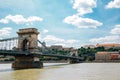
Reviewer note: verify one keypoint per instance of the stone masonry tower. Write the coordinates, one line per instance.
(27, 39)
(27, 42)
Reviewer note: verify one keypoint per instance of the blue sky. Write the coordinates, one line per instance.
(71, 23)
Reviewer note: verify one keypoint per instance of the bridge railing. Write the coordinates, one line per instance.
(9, 43)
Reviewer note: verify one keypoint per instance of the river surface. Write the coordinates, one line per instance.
(62, 71)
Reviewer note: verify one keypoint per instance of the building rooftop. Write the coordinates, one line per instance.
(104, 52)
(108, 45)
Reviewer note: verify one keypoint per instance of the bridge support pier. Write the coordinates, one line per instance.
(73, 61)
(27, 42)
(25, 62)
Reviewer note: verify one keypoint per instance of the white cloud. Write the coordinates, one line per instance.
(106, 39)
(116, 30)
(45, 31)
(5, 21)
(113, 4)
(5, 31)
(84, 6)
(109, 39)
(64, 45)
(53, 40)
(82, 22)
(19, 19)
(72, 41)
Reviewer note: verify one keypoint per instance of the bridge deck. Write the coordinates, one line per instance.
(10, 52)
(38, 54)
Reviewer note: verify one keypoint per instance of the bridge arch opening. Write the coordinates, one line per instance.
(25, 45)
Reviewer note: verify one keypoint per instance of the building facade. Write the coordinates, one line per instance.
(106, 56)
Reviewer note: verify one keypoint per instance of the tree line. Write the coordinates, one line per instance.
(88, 54)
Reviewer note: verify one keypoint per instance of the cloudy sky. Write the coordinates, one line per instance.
(70, 23)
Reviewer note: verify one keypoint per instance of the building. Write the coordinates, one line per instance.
(89, 46)
(106, 46)
(71, 50)
(58, 47)
(115, 56)
(74, 52)
(104, 56)
(66, 49)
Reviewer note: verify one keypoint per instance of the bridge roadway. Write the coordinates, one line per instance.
(37, 54)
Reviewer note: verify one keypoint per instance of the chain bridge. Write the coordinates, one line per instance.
(26, 50)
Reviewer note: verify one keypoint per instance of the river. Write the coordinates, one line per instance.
(60, 71)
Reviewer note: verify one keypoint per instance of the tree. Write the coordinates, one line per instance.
(100, 48)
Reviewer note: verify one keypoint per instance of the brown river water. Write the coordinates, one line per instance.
(63, 71)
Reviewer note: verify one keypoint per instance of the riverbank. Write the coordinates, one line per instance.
(6, 62)
(53, 61)
(101, 61)
(63, 61)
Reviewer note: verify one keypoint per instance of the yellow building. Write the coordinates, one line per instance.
(104, 56)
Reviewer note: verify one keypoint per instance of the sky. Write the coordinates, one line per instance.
(70, 23)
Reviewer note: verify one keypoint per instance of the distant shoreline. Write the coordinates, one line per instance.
(116, 61)
(109, 61)
(6, 62)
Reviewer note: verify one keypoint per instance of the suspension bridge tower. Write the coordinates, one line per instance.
(27, 42)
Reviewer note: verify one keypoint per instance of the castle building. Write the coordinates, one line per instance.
(106, 46)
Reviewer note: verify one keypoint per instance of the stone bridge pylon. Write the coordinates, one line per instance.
(27, 42)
